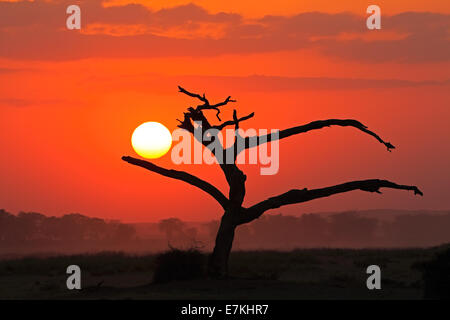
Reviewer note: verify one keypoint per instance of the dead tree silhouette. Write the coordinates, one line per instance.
(235, 213)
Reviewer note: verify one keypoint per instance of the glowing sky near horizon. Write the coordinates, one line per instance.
(70, 100)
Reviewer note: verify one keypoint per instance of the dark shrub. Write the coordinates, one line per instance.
(179, 265)
(436, 276)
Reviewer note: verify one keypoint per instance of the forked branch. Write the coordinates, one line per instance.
(194, 95)
(206, 105)
(303, 195)
(235, 122)
(183, 176)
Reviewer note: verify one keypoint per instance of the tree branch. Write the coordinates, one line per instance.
(257, 140)
(217, 105)
(298, 196)
(194, 95)
(183, 176)
(206, 105)
(234, 122)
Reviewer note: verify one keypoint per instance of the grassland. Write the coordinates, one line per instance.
(299, 274)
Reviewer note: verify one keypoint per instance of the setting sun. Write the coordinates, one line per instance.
(151, 140)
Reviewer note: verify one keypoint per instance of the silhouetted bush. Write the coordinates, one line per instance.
(436, 276)
(179, 265)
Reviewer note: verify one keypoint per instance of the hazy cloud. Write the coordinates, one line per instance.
(36, 30)
(13, 102)
(273, 83)
(10, 70)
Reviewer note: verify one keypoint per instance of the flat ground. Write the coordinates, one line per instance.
(299, 274)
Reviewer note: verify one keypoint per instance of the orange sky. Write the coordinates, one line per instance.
(288, 7)
(70, 100)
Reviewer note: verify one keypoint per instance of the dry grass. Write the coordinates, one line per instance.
(299, 274)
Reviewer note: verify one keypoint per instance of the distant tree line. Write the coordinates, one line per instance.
(347, 229)
(36, 227)
(29, 232)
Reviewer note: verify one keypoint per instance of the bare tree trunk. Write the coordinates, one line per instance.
(218, 261)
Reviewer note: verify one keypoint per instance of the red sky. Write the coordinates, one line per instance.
(70, 100)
